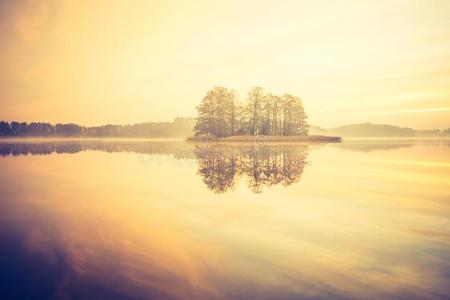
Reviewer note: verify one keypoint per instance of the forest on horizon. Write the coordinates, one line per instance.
(179, 127)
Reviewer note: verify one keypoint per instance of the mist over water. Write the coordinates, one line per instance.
(362, 219)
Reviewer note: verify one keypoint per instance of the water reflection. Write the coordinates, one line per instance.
(179, 150)
(182, 150)
(261, 167)
(375, 145)
(220, 167)
(91, 225)
(368, 146)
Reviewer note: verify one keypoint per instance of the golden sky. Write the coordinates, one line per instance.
(107, 61)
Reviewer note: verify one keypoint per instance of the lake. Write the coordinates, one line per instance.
(134, 219)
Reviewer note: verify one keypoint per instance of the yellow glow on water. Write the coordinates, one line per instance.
(357, 223)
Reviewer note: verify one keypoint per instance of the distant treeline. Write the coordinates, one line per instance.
(180, 127)
(219, 114)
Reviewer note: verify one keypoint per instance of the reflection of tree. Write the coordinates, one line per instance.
(219, 168)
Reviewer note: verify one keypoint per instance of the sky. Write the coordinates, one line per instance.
(106, 61)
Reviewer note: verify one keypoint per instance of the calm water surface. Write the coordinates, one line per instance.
(363, 219)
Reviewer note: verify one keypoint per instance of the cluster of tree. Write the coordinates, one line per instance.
(262, 113)
(179, 127)
(38, 129)
(263, 168)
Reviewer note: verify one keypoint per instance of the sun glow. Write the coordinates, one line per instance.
(96, 62)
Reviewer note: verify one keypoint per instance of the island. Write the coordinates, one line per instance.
(262, 118)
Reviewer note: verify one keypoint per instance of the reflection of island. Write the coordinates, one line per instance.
(263, 167)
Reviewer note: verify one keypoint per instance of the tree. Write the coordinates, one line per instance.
(205, 125)
(300, 126)
(252, 111)
(5, 130)
(267, 107)
(293, 116)
(216, 114)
